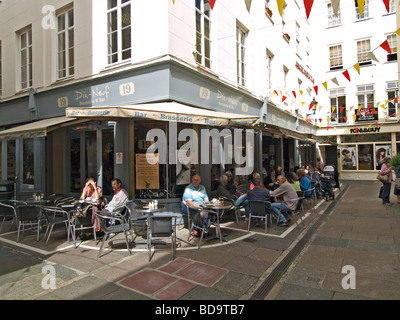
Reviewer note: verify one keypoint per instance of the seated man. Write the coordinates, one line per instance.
(288, 193)
(259, 193)
(195, 195)
(223, 190)
(119, 199)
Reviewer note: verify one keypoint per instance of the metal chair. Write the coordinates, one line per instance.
(80, 223)
(161, 228)
(56, 215)
(195, 220)
(312, 197)
(260, 209)
(115, 223)
(233, 207)
(8, 212)
(29, 215)
(297, 210)
(138, 220)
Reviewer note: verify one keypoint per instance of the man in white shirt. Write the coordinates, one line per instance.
(119, 199)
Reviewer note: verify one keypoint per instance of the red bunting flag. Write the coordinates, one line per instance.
(307, 121)
(308, 5)
(284, 98)
(212, 3)
(385, 45)
(341, 109)
(345, 119)
(396, 99)
(369, 106)
(311, 106)
(275, 92)
(376, 124)
(386, 2)
(320, 120)
(294, 93)
(346, 74)
(327, 128)
(316, 90)
(393, 115)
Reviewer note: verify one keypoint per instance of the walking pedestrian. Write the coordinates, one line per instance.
(386, 170)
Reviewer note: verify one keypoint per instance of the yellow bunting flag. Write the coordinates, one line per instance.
(398, 32)
(325, 84)
(301, 92)
(173, 1)
(360, 4)
(354, 116)
(357, 67)
(359, 108)
(333, 109)
(281, 3)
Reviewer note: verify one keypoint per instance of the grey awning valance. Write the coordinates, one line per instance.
(36, 129)
(164, 111)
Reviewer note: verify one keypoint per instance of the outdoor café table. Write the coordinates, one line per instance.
(219, 208)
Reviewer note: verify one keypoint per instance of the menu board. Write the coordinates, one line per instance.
(147, 175)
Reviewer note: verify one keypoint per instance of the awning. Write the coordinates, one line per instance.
(164, 111)
(36, 129)
(296, 135)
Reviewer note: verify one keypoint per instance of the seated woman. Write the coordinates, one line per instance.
(291, 178)
(256, 175)
(305, 183)
(92, 191)
(270, 178)
(223, 190)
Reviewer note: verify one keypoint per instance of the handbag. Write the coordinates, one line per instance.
(382, 177)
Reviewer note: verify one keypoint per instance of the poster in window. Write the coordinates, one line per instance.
(147, 175)
(380, 153)
(348, 158)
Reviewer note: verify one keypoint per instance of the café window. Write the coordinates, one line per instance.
(348, 157)
(28, 162)
(11, 156)
(75, 158)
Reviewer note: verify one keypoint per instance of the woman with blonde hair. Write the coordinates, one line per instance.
(386, 170)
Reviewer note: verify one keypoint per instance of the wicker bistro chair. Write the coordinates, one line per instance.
(56, 215)
(161, 228)
(119, 225)
(260, 209)
(30, 215)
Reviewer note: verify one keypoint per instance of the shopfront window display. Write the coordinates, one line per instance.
(348, 157)
(381, 151)
(366, 157)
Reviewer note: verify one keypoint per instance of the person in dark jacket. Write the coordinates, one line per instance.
(259, 193)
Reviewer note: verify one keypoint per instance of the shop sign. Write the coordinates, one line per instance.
(370, 114)
(365, 130)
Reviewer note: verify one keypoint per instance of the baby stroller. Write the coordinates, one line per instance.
(326, 187)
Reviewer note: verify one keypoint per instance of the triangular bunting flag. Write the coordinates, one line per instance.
(281, 4)
(396, 99)
(333, 109)
(320, 120)
(212, 3)
(308, 5)
(316, 90)
(385, 45)
(283, 98)
(386, 2)
(327, 128)
(346, 74)
(309, 90)
(334, 80)
(311, 106)
(294, 93)
(307, 121)
(398, 32)
(357, 67)
(341, 109)
(354, 116)
(345, 119)
(301, 92)
(371, 56)
(335, 7)
(173, 1)
(376, 124)
(275, 92)
(248, 4)
(361, 7)
(325, 84)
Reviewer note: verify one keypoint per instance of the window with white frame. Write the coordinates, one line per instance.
(240, 55)
(366, 96)
(392, 40)
(270, 57)
(392, 94)
(332, 19)
(363, 50)
(336, 58)
(392, 6)
(203, 33)
(338, 105)
(119, 30)
(365, 10)
(25, 54)
(65, 48)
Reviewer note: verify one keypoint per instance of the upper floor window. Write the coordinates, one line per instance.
(240, 55)
(65, 48)
(1, 84)
(365, 95)
(363, 50)
(203, 33)
(338, 106)
(392, 6)
(365, 10)
(25, 53)
(332, 19)
(335, 57)
(392, 93)
(392, 40)
(119, 30)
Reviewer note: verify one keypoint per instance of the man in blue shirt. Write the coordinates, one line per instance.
(195, 195)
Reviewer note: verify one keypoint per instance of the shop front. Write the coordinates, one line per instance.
(361, 149)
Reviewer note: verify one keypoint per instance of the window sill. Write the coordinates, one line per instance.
(117, 65)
